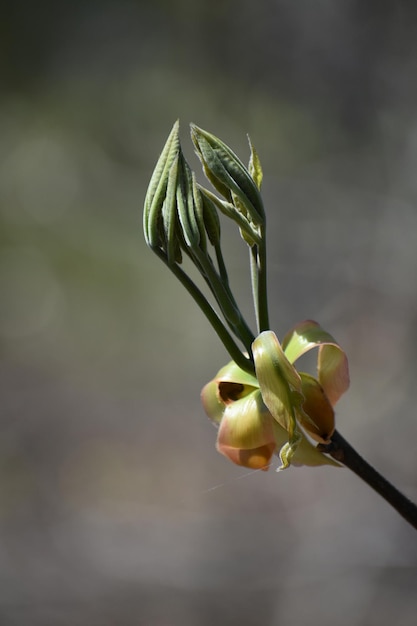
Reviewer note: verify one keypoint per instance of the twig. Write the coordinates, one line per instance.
(343, 452)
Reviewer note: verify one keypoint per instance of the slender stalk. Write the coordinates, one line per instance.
(263, 291)
(259, 285)
(227, 304)
(221, 264)
(343, 452)
(254, 274)
(231, 346)
(224, 298)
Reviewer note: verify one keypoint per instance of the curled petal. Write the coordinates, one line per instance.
(332, 366)
(229, 384)
(256, 458)
(212, 402)
(280, 384)
(317, 415)
(246, 434)
(246, 423)
(333, 371)
(232, 373)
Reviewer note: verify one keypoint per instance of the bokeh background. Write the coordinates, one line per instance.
(114, 506)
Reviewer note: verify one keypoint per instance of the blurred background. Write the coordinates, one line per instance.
(115, 507)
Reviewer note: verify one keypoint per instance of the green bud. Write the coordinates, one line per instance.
(211, 219)
(169, 215)
(248, 230)
(185, 205)
(228, 175)
(174, 210)
(157, 189)
(198, 207)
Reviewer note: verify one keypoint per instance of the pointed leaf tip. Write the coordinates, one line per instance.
(255, 167)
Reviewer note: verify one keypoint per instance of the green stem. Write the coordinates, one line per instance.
(232, 348)
(259, 285)
(254, 275)
(262, 286)
(221, 264)
(343, 452)
(247, 332)
(224, 297)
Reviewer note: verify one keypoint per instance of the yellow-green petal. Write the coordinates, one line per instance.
(232, 372)
(246, 423)
(246, 434)
(229, 384)
(333, 371)
(332, 365)
(317, 415)
(280, 385)
(279, 381)
(212, 403)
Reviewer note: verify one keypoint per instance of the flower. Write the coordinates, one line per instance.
(257, 416)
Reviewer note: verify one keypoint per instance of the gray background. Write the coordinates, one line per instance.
(114, 506)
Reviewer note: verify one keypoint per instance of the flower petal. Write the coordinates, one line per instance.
(246, 434)
(332, 367)
(246, 423)
(256, 458)
(279, 381)
(280, 385)
(333, 371)
(232, 372)
(229, 384)
(317, 415)
(213, 405)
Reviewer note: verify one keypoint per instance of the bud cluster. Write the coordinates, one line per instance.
(260, 402)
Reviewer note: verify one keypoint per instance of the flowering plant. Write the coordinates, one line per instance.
(260, 402)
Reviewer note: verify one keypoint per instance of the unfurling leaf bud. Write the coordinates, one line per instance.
(157, 189)
(228, 175)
